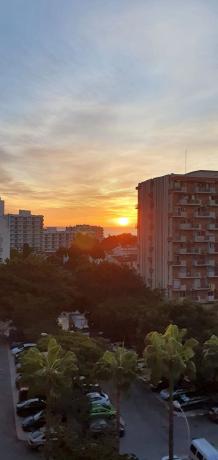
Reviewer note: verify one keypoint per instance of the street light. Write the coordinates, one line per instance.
(178, 406)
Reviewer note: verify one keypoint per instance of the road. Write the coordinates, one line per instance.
(147, 426)
(11, 448)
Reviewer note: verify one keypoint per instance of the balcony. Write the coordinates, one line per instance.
(179, 189)
(179, 214)
(181, 287)
(203, 239)
(205, 215)
(186, 202)
(181, 263)
(212, 226)
(212, 203)
(190, 275)
(204, 263)
(188, 226)
(191, 251)
(179, 239)
(212, 274)
(205, 190)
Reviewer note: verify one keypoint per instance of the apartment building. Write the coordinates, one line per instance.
(26, 228)
(178, 234)
(4, 234)
(55, 238)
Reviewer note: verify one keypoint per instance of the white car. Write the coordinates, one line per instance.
(37, 439)
(98, 397)
(20, 348)
(175, 457)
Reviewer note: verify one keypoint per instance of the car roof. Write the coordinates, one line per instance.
(204, 446)
(94, 394)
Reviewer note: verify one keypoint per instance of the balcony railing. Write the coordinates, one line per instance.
(204, 263)
(212, 203)
(188, 226)
(207, 214)
(212, 226)
(205, 190)
(189, 202)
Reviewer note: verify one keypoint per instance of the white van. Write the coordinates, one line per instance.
(201, 449)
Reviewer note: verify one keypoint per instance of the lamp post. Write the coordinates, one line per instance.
(178, 405)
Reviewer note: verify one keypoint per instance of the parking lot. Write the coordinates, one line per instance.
(144, 412)
(146, 420)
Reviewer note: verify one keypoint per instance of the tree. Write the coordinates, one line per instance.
(51, 369)
(169, 357)
(52, 372)
(210, 359)
(119, 366)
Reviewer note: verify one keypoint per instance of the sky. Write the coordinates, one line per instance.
(98, 95)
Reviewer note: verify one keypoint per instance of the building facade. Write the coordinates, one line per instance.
(178, 235)
(4, 235)
(54, 238)
(26, 228)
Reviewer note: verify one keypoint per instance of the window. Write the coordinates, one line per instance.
(200, 456)
(193, 449)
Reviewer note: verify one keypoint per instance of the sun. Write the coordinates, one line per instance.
(123, 221)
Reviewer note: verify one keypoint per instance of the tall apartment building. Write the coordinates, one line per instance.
(26, 228)
(54, 238)
(4, 235)
(178, 234)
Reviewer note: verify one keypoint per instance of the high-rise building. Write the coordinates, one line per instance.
(4, 235)
(26, 228)
(178, 234)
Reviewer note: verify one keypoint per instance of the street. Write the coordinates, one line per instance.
(11, 448)
(147, 426)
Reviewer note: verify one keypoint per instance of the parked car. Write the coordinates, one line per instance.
(22, 347)
(37, 439)
(186, 403)
(103, 425)
(30, 407)
(213, 414)
(180, 391)
(98, 397)
(102, 409)
(33, 422)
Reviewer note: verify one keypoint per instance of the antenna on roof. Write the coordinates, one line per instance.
(186, 153)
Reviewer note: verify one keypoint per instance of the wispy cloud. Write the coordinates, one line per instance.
(95, 100)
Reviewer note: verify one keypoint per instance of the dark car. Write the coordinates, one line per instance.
(30, 407)
(33, 422)
(187, 403)
(213, 414)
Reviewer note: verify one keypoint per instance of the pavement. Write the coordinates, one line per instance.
(11, 447)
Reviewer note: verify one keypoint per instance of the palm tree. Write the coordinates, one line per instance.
(51, 372)
(210, 359)
(119, 367)
(169, 356)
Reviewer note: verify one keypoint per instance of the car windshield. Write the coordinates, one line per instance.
(36, 434)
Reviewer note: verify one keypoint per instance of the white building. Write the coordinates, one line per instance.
(26, 228)
(55, 238)
(4, 235)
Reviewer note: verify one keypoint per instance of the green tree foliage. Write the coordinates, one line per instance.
(210, 359)
(125, 239)
(51, 370)
(169, 356)
(120, 367)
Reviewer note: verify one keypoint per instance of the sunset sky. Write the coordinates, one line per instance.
(98, 95)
